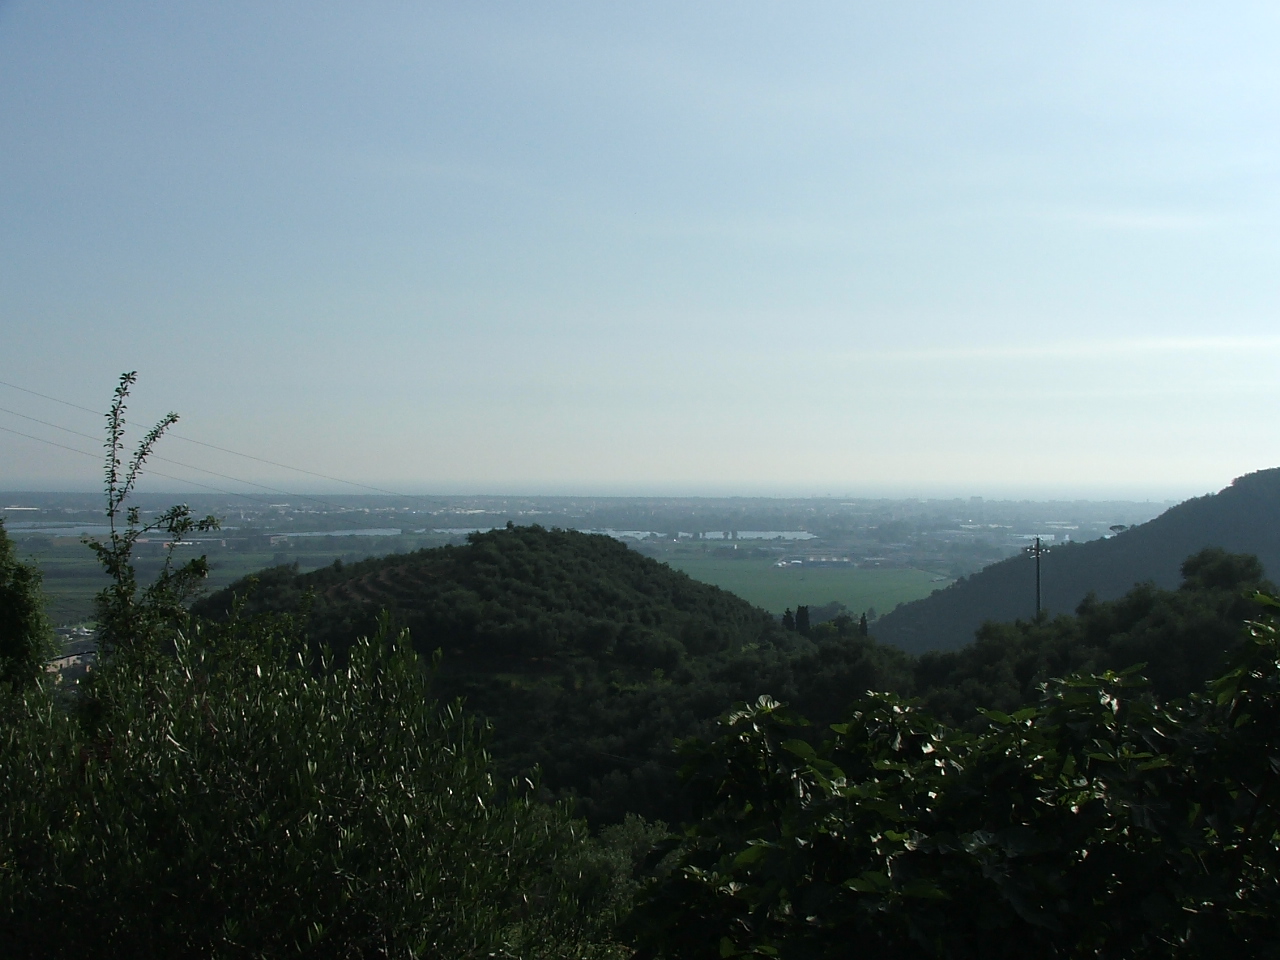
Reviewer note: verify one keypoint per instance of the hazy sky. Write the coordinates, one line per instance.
(812, 248)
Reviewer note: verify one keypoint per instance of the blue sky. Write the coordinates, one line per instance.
(917, 249)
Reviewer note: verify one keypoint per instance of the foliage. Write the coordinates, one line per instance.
(25, 637)
(802, 620)
(127, 615)
(234, 788)
(1099, 823)
(234, 801)
(589, 658)
(1182, 637)
(1244, 518)
(524, 597)
(219, 789)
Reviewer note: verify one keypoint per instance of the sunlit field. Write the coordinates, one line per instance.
(777, 588)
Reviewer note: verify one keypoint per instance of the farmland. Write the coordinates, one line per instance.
(72, 574)
(777, 588)
(876, 553)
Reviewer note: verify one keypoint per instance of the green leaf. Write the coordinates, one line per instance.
(800, 748)
(749, 856)
(923, 890)
(869, 882)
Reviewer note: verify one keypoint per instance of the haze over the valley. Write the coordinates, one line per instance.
(816, 249)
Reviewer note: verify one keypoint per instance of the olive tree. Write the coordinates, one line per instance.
(225, 790)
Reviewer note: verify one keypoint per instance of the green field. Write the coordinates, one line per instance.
(776, 589)
(72, 575)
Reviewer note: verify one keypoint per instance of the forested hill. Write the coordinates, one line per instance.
(592, 659)
(589, 657)
(1243, 518)
(525, 598)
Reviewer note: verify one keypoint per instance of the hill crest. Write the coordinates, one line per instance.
(1244, 517)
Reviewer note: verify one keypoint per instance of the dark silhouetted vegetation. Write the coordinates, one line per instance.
(1100, 822)
(1181, 637)
(218, 790)
(591, 660)
(24, 631)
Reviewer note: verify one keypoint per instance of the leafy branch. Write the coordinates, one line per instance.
(130, 617)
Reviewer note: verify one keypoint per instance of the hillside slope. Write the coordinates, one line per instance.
(524, 598)
(589, 657)
(1243, 518)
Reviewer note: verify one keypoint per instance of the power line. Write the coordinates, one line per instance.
(96, 456)
(76, 406)
(177, 463)
(66, 403)
(310, 473)
(51, 443)
(213, 446)
(197, 483)
(351, 522)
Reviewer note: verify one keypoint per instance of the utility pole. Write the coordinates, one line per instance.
(1037, 578)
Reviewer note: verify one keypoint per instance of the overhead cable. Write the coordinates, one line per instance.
(227, 493)
(213, 446)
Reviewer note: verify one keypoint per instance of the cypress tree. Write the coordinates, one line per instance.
(25, 637)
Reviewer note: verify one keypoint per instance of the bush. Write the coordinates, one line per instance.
(1099, 823)
(230, 800)
(213, 791)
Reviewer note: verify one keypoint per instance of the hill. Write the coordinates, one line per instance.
(589, 658)
(1243, 518)
(1179, 638)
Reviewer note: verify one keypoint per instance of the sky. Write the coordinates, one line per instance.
(849, 249)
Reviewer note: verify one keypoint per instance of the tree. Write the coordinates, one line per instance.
(129, 617)
(238, 799)
(231, 793)
(1099, 823)
(25, 637)
(802, 620)
(788, 619)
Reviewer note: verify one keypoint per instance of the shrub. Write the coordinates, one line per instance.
(231, 800)
(214, 791)
(1099, 823)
